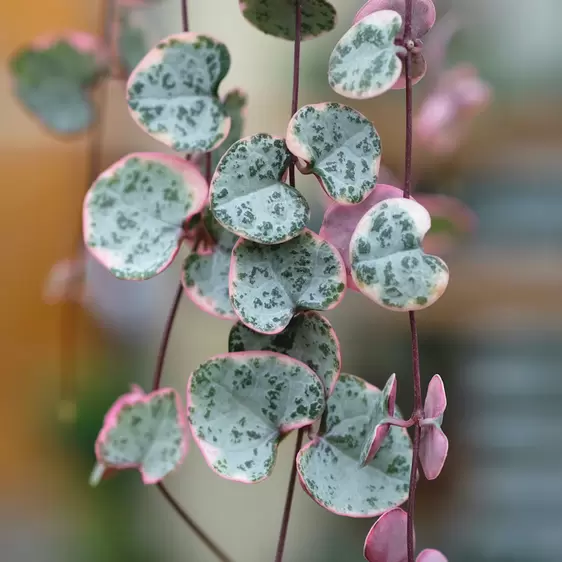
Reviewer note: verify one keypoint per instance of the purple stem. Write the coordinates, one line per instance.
(300, 435)
(184, 16)
(418, 405)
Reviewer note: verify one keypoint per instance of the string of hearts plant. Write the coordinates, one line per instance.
(253, 261)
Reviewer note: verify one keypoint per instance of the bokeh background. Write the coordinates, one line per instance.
(495, 336)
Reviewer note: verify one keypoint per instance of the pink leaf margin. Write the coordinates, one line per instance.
(319, 240)
(137, 396)
(193, 180)
(155, 56)
(375, 513)
(208, 451)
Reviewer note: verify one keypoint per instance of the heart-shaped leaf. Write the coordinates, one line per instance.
(277, 17)
(309, 338)
(340, 146)
(144, 431)
(270, 284)
(134, 212)
(365, 62)
(329, 466)
(434, 444)
(248, 196)
(61, 106)
(205, 275)
(131, 42)
(430, 555)
(387, 261)
(173, 92)
(423, 19)
(378, 429)
(241, 404)
(340, 222)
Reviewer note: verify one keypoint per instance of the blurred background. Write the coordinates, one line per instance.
(495, 336)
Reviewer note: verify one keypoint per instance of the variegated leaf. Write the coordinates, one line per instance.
(378, 427)
(309, 338)
(340, 146)
(340, 222)
(248, 195)
(241, 404)
(270, 284)
(173, 92)
(329, 466)
(365, 62)
(277, 17)
(143, 431)
(131, 42)
(135, 210)
(387, 261)
(205, 275)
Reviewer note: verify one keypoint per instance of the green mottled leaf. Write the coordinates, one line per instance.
(269, 284)
(144, 431)
(329, 466)
(388, 264)
(248, 196)
(365, 62)
(241, 404)
(131, 41)
(277, 17)
(62, 106)
(340, 146)
(135, 210)
(205, 276)
(309, 338)
(173, 92)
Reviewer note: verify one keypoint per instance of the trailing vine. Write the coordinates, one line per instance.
(253, 261)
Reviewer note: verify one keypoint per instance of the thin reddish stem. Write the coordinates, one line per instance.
(418, 405)
(70, 313)
(192, 524)
(300, 435)
(184, 16)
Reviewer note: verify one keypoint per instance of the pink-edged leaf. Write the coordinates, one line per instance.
(184, 113)
(206, 272)
(340, 221)
(446, 115)
(277, 17)
(378, 429)
(423, 18)
(388, 263)
(249, 196)
(134, 212)
(309, 338)
(451, 220)
(241, 404)
(329, 466)
(361, 67)
(340, 146)
(431, 555)
(65, 281)
(270, 284)
(434, 444)
(386, 541)
(143, 431)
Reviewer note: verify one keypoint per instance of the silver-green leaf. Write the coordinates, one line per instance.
(309, 338)
(173, 92)
(340, 146)
(388, 263)
(277, 17)
(365, 62)
(248, 195)
(329, 466)
(241, 404)
(270, 284)
(135, 210)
